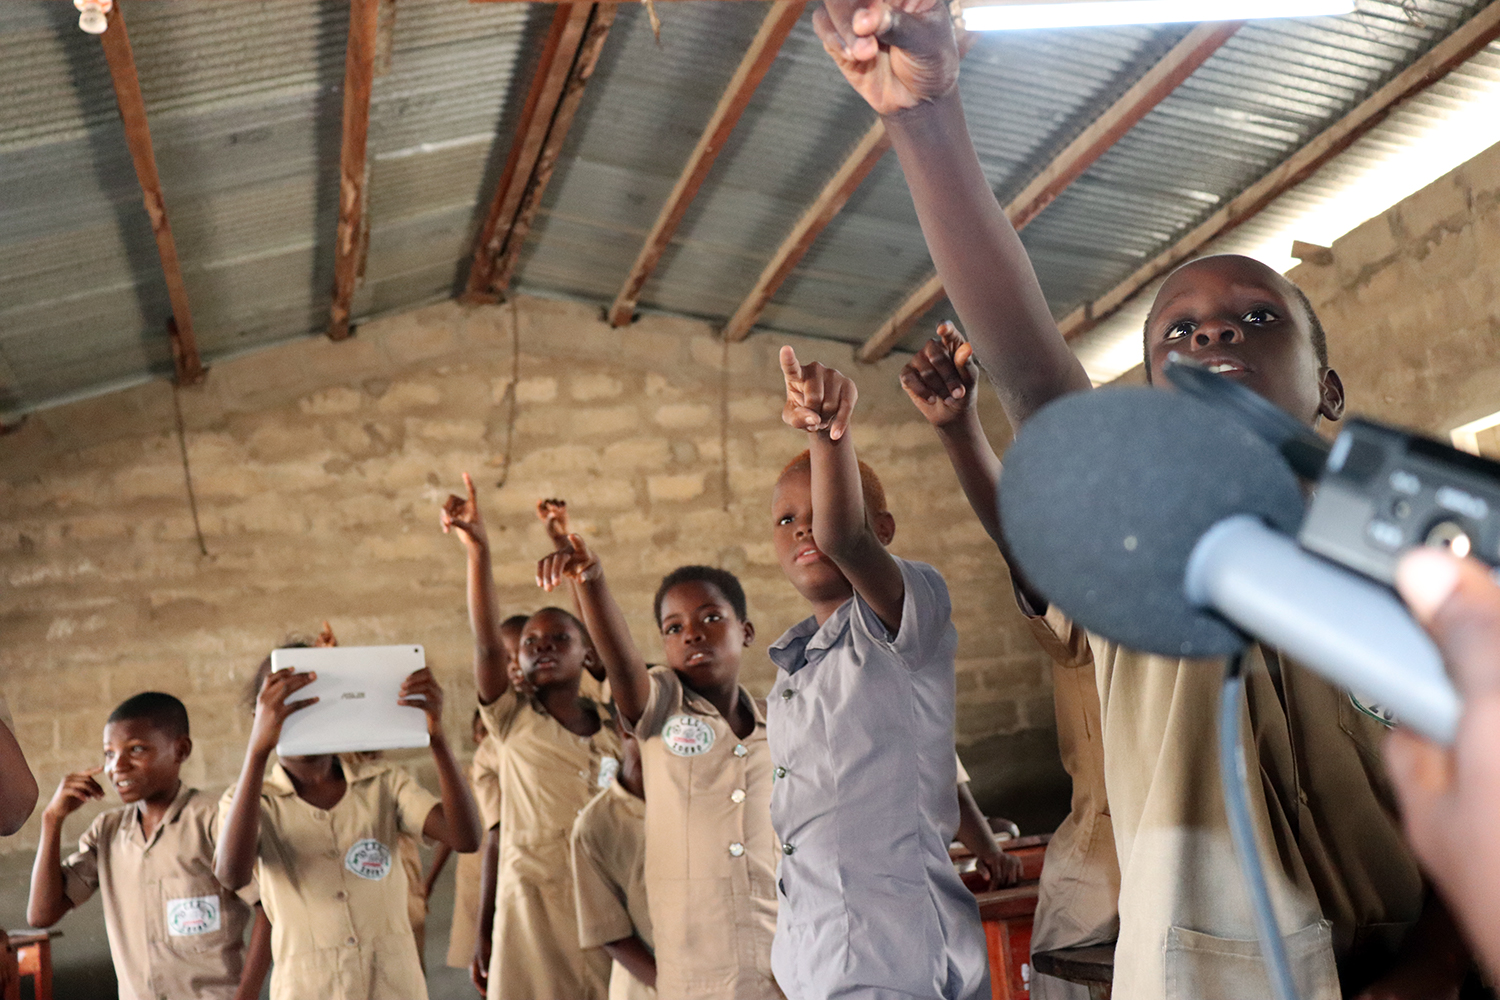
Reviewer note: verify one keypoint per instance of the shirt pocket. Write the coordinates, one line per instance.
(196, 916)
(1201, 965)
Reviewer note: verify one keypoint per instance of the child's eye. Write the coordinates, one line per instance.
(1260, 317)
(672, 629)
(711, 618)
(1179, 330)
(784, 519)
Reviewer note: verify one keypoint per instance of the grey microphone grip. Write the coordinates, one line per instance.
(1351, 630)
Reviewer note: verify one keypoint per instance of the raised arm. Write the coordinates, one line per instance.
(581, 569)
(462, 515)
(18, 789)
(554, 515)
(821, 402)
(48, 900)
(902, 58)
(455, 820)
(239, 833)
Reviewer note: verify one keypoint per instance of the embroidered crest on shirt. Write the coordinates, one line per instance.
(687, 735)
(608, 768)
(192, 916)
(369, 859)
(1379, 713)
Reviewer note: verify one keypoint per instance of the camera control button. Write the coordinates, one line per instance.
(1385, 534)
(1405, 482)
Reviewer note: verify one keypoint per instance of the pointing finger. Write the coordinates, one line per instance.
(469, 486)
(840, 422)
(790, 369)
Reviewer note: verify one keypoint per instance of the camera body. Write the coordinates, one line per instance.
(1384, 491)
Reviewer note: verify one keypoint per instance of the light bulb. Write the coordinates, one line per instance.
(91, 15)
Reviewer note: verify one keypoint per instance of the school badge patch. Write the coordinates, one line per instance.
(192, 916)
(369, 859)
(687, 735)
(1379, 713)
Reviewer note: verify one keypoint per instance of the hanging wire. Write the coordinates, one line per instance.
(511, 390)
(724, 420)
(187, 471)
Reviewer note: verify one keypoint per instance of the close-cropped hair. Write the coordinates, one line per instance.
(1315, 330)
(251, 694)
(164, 713)
(515, 621)
(570, 616)
(869, 482)
(726, 582)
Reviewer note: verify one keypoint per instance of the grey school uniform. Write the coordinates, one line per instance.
(860, 725)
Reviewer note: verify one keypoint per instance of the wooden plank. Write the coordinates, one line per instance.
(586, 59)
(829, 202)
(756, 62)
(1083, 152)
(354, 175)
(548, 82)
(117, 53)
(1447, 55)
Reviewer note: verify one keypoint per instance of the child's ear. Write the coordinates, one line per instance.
(885, 527)
(749, 628)
(184, 748)
(1331, 394)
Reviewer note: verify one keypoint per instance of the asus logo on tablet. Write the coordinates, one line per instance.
(352, 694)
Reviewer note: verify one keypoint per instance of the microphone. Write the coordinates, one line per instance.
(1154, 519)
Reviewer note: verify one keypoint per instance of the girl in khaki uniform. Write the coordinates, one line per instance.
(710, 850)
(553, 749)
(321, 832)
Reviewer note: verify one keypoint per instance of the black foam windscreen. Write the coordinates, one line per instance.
(1105, 493)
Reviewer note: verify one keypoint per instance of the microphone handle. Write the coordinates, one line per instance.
(1351, 630)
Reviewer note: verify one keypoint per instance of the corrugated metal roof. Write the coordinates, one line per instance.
(245, 107)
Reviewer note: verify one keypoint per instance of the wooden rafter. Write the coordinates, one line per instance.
(569, 54)
(117, 53)
(1440, 60)
(756, 62)
(354, 173)
(1158, 82)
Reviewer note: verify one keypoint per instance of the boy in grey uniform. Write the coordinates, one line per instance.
(860, 723)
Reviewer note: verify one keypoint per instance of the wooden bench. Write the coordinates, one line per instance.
(1093, 966)
(34, 956)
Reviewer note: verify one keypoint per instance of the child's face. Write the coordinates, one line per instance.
(1237, 313)
(553, 651)
(810, 571)
(702, 635)
(141, 761)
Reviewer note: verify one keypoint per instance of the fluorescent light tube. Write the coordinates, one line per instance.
(1083, 13)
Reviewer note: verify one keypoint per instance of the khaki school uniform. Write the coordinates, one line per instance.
(547, 774)
(173, 930)
(711, 852)
(609, 880)
(1078, 898)
(484, 780)
(1344, 885)
(334, 888)
(5, 718)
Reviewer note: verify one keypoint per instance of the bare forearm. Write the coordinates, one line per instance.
(973, 829)
(490, 657)
(628, 680)
(980, 259)
(489, 872)
(257, 958)
(637, 959)
(439, 862)
(841, 523)
(18, 789)
(47, 902)
(460, 814)
(977, 467)
(234, 858)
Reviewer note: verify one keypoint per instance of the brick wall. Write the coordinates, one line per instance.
(319, 468)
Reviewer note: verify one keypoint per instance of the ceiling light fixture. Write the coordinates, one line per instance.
(93, 15)
(1086, 13)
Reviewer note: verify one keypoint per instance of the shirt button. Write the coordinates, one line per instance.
(341, 895)
(738, 795)
(786, 694)
(736, 849)
(583, 774)
(780, 772)
(351, 942)
(788, 849)
(739, 750)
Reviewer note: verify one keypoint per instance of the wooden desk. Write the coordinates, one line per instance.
(1093, 966)
(34, 955)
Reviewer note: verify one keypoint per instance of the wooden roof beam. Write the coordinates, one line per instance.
(774, 30)
(1137, 102)
(569, 54)
(354, 170)
(1441, 59)
(117, 53)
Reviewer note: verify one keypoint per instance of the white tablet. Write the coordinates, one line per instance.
(357, 688)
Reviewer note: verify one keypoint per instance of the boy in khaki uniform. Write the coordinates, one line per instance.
(1346, 888)
(609, 877)
(322, 834)
(174, 931)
